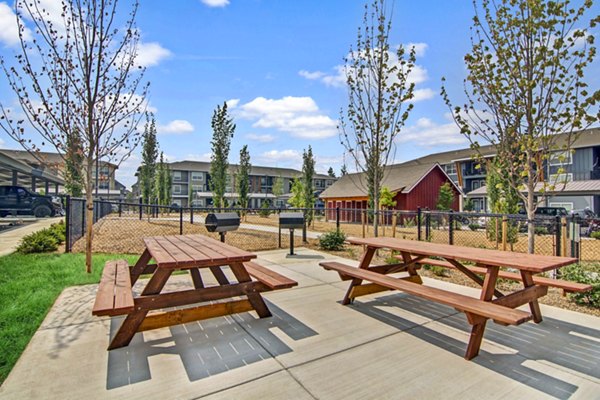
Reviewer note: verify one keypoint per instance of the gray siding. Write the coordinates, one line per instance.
(579, 202)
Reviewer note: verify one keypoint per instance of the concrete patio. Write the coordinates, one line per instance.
(384, 346)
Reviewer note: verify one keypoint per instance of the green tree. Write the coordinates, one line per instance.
(525, 84)
(331, 172)
(297, 191)
(308, 173)
(163, 182)
(445, 197)
(343, 170)
(223, 129)
(278, 186)
(74, 165)
(243, 177)
(148, 167)
(379, 94)
(503, 199)
(386, 198)
(77, 75)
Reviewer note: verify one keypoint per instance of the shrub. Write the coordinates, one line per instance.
(265, 209)
(333, 240)
(474, 227)
(595, 235)
(541, 230)
(576, 273)
(42, 241)
(58, 231)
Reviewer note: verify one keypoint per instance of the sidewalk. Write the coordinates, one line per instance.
(10, 240)
(384, 346)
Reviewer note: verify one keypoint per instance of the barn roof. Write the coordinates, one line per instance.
(398, 178)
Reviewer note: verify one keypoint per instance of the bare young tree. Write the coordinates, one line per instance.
(525, 89)
(75, 74)
(379, 91)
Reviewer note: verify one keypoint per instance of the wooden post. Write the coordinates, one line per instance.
(504, 231)
(394, 223)
(363, 216)
(563, 236)
(497, 232)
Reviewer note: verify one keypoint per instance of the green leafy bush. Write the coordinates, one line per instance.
(42, 241)
(59, 231)
(265, 209)
(541, 230)
(576, 273)
(333, 240)
(595, 235)
(474, 227)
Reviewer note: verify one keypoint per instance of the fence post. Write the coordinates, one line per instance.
(394, 223)
(363, 217)
(68, 225)
(427, 224)
(192, 215)
(140, 208)
(419, 223)
(337, 218)
(497, 232)
(558, 229)
(120, 207)
(504, 231)
(451, 227)
(564, 235)
(304, 227)
(83, 208)
(181, 220)
(279, 226)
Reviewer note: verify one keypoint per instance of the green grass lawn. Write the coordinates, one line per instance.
(29, 285)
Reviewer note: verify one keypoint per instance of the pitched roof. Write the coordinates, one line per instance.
(570, 188)
(398, 178)
(204, 166)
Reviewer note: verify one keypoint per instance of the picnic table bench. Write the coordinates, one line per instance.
(502, 309)
(187, 252)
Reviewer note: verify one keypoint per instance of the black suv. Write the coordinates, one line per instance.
(18, 200)
(547, 218)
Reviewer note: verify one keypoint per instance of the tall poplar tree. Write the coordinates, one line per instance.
(148, 167)
(308, 173)
(379, 94)
(74, 165)
(223, 129)
(243, 178)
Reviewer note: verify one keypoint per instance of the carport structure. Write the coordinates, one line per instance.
(18, 172)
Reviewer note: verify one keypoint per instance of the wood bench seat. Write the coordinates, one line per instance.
(566, 286)
(461, 302)
(114, 296)
(270, 278)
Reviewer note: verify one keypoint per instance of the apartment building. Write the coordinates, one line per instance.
(191, 184)
(581, 176)
(47, 174)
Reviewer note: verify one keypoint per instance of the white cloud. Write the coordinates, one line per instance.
(281, 158)
(420, 48)
(149, 54)
(177, 126)
(297, 116)
(426, 133)
(9, 29)
(232, 103)
(422, 94)
(215, 3)
(311, 75)
(260, 138)
(198, 157)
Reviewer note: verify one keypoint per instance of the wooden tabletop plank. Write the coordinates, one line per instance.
(162, 257)
(178, 254)
(527, 262)
(209, 253)
(194, 253)
(230, 252)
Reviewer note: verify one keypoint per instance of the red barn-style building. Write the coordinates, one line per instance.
(413, 186)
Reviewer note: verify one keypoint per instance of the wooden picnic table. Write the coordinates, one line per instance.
(194, 253)
(492, 303)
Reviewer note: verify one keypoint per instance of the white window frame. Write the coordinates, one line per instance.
(177, 176)
(565, 204)
(555, 178)
(450, 169)
(198, 203)
(473, 183)
(554, 160)
(177, 189)
(197, 176)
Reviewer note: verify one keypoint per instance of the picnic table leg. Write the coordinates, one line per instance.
(364, 264)
(139, 266)
(412, 271)
(133, 321)
(254, 297)
(219, 275)
(196, 278)
(487, 293)
(533, 305)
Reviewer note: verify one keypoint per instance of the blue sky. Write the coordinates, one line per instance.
(274, 62)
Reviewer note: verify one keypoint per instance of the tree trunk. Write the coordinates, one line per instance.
(530, 219)
(89, 215)
(375, 214)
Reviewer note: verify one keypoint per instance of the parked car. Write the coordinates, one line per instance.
(585, 216)
(544, 218)
(18, 200)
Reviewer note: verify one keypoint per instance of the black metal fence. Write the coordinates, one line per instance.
(120, 226)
